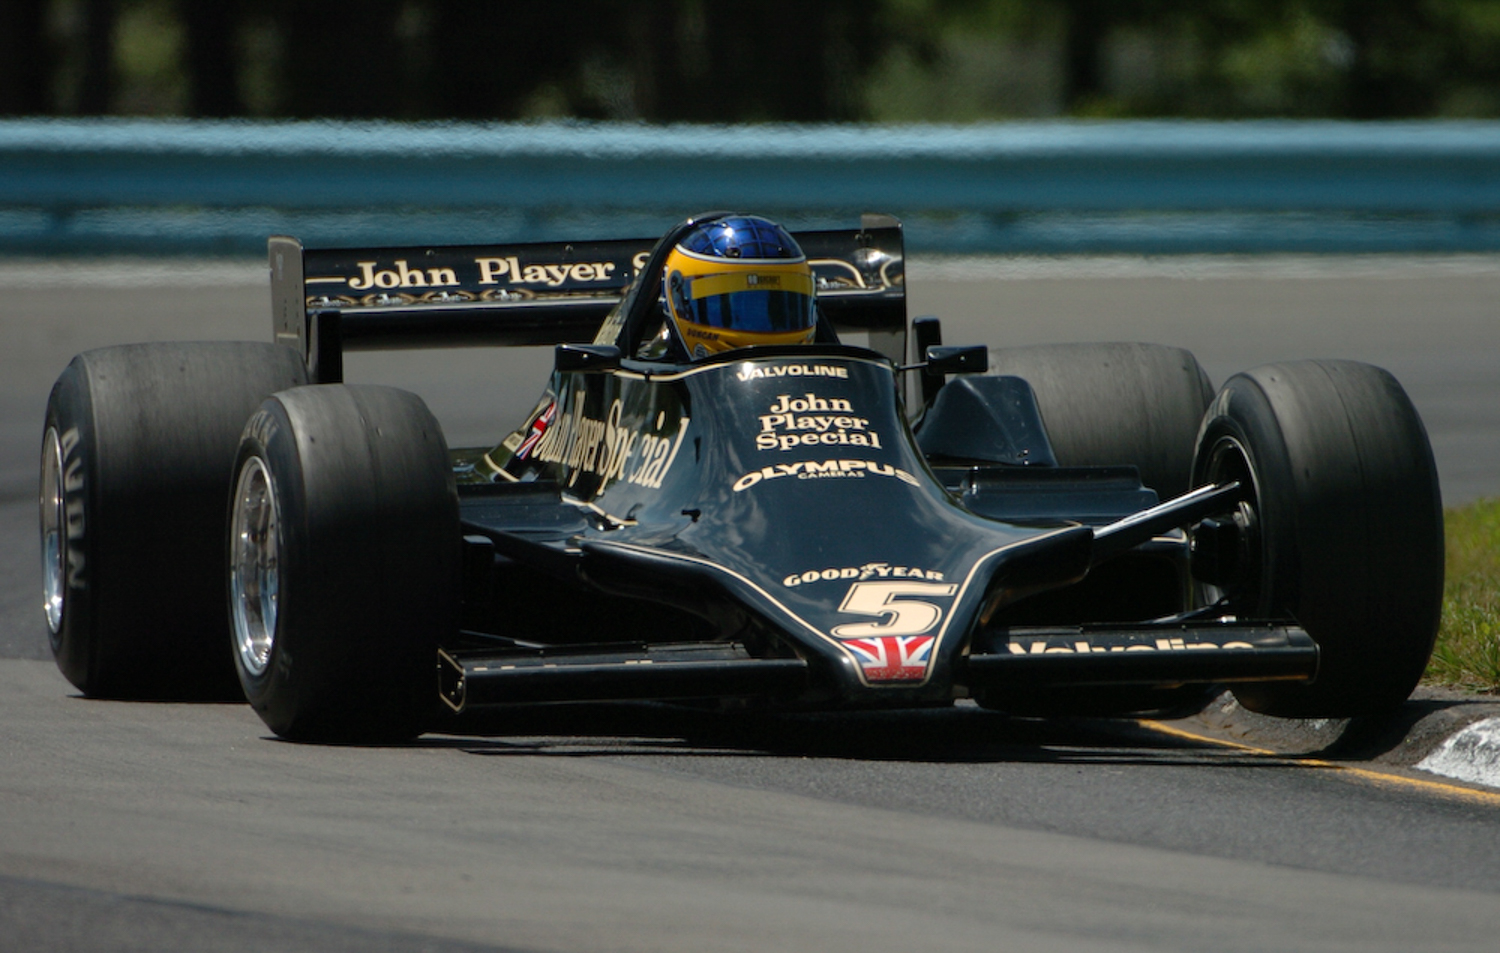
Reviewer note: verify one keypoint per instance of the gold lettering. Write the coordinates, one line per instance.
(490, 269)
(551, 275)
(410, 278)
(368, 280)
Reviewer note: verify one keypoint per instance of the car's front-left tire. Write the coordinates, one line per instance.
(344, 563)
(137, 453)
(1339, 527)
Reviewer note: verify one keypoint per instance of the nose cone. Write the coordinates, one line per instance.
(812, 505)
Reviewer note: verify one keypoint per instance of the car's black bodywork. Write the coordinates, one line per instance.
(1087, 528)
(768, 523)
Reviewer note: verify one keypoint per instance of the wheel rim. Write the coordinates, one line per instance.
(1229, 461)
(54, 524)
(254, 576)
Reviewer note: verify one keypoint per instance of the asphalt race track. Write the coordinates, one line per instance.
(171, 827)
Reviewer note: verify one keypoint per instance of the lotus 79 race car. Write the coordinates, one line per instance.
(1062, 529)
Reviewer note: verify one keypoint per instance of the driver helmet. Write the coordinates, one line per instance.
(735, 281)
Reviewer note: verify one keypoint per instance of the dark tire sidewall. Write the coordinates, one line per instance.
(157, 426)
(75, 644)
(1350, 527)
(368, 563)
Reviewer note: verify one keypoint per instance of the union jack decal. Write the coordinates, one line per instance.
(893, 658)
(538, 427)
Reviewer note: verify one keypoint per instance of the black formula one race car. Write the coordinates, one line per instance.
(717, 501)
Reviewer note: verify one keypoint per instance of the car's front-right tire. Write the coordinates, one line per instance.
(343, 553)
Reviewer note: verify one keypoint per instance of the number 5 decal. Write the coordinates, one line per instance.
(905, 616)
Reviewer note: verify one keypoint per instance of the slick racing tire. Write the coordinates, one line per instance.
(1342, 524)
(344, 563)
(1113, 404)
(137, 454)
(1116, 404)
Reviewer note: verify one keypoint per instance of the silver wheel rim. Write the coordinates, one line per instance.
(254, 579)
(1229, 460)
(54, 526)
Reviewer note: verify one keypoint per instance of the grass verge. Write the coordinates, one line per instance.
(1468, 644)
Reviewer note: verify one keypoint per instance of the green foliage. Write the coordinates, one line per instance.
(1468, 646)
(1211, 58)
(149, 44)
(768, 60)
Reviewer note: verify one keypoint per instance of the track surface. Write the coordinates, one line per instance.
(184, 827)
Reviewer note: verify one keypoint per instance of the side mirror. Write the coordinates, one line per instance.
(970, 359)
(586, 358)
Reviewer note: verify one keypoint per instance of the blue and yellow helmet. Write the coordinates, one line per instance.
(735, 281)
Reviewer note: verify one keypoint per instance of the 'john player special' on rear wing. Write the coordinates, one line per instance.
(326, 301)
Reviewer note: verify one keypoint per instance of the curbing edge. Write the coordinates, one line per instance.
(1439, 730)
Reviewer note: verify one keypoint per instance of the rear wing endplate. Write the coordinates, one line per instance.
(328, 300)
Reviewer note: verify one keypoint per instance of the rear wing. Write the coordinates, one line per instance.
(328, 300)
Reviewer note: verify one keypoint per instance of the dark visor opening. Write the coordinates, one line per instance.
(763, 311)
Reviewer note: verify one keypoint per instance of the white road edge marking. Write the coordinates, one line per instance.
(1472, 755)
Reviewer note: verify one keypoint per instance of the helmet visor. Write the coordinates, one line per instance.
(763, 303)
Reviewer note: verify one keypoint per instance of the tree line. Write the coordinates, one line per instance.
(751, 60)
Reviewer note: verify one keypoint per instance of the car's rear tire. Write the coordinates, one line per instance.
(1113, 404)
(137, 455)
(1116, 404)
(344, 563)
(1344, 523)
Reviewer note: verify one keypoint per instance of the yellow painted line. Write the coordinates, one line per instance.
(1444, 789)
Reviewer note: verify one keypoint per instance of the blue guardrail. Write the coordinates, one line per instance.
(173, 187)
